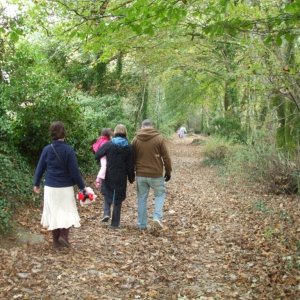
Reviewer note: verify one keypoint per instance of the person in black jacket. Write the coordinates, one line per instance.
(120, 167)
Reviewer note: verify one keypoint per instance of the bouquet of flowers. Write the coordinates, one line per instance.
(86, 197)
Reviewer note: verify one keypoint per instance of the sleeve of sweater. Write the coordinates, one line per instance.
(102, 151)
(74, 170)
(40, 169)
(166, 158)
(130, 166)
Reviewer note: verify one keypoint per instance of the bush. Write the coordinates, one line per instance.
(35, 97)
(16, 175)
(104, 112)
(263, 163)
(5, 216)
(217, 149)
(16, 184)
(230, 128)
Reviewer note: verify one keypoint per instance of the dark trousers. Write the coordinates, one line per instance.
(116, 213)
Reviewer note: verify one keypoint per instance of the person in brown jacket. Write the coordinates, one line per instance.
(151, 158)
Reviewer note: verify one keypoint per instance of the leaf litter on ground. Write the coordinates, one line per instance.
(220, 241)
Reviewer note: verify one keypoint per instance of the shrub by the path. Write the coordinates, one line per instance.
(217, 149)
(260, 162)
(263, 163)
(16, 184)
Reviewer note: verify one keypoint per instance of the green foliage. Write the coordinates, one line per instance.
(180, 93)
(16, 175)
(143, 20)
(5, 216)
(103, 112)
(35, 97)
(16, 184)
(212, 70)
(5, 129)
(262, 162)
(288, 131)
(240, 16)
(206, 59)
(217, 149)
(230, 128)
(38, 117)
(11, 28)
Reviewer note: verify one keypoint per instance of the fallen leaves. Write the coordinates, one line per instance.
(220, 241)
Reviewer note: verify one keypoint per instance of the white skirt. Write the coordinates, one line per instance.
(60, 210)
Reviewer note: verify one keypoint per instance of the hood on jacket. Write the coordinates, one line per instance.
(146, 134)
(120, 141)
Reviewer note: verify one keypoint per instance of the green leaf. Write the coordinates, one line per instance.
(278, 40)
(268, 39)
(293, 7)
(136, 28)
(14, 36)
(290, 37)
(224, 4)
(149, 30)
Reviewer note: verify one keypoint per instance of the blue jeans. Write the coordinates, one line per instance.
(143, 185)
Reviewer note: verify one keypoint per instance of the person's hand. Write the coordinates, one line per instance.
(36, 189)
(167, 177)
(98, 183)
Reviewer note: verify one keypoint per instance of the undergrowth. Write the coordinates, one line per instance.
(16, 184)
(260, 162)
(216, 150)
(277, 171)
(5, 215)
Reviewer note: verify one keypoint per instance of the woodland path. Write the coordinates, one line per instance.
(219, 242)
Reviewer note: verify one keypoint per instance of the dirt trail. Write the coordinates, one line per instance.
(219, 242)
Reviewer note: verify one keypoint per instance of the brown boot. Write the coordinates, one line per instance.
(55, 236)
(64, 237)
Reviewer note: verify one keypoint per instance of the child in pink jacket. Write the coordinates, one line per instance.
(105, 137)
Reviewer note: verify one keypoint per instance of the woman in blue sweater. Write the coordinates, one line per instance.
(59, 161)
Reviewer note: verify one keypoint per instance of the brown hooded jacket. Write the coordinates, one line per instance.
(151, 155)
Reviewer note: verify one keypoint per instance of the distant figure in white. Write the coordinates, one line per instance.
(182, 132)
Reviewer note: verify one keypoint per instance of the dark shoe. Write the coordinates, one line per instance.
(64, 242)
(105, 219)
(57, 245)
(64, 237)
(55, 236)
(114, 227)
